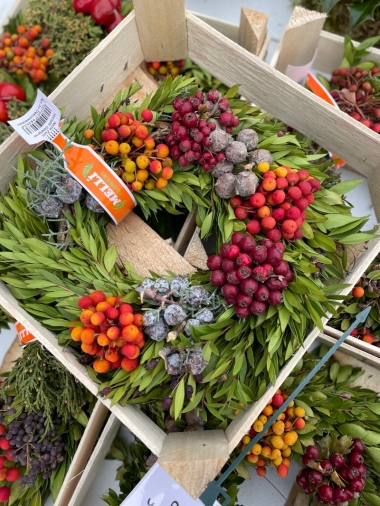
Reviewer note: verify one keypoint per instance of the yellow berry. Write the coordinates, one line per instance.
(278, 461)
(300, 412)
(124, 148)
(291, 404)
(149, 143)
(162, 70)
(278, 428)
(290, 412)
(263, 419)
(277, 442)
(258, 426)
(150, 184)
(275, 454)
(263, 167)
(142, 162)
(246, 440)
(290, 438)
(129, 165)
(287, 452)
(266, 451)
(252, 458)
(128, 177)
(112, 147)
(142, 175)
(257, 449)
(137, 142)
(136, 186)
(281, 172)
(88, 134)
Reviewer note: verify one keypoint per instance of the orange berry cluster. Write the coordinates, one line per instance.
(274, 448)
(143, 163)
(22, 53)
(111, 331)
(165, 68)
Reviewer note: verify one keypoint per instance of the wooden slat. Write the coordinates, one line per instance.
(253, 30)
(149, 433)
(17, 6)
(94, 463)
(93, 82)
(350, 350)
(274, 92)
(14, 352)
(193, 459)
(355, 342)
(300, 39)
(162, 29)
(227, 29)
(330, 53)
(82, 454)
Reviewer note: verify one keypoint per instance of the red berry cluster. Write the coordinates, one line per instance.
(189, 139)
(364, 106)
(350, 469)
(7, 472)
(103, 12)
(278, 208)
(251, 275)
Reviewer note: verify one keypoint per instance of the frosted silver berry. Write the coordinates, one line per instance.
(174, 315)
(236, 152)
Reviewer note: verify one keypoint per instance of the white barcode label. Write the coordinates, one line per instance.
(40, 123)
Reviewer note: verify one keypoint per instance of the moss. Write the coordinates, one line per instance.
(72, 35)
(338, 20)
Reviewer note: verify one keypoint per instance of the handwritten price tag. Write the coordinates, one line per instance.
(158, 488)
(41, 123)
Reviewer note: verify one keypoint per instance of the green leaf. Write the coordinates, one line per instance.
(346, 186)
(374, 453)
(308, 410)
(352, 430)
(375, 408)
(243, 471)
(357, 238)
(110, 258)
(206, 225)
(334, 369)
(344, 373)
(360, 12)
(37, 500)
(368, 43)
(372, 438)
(307, 230)
(179, 398)
(327, 5)
(372, 499)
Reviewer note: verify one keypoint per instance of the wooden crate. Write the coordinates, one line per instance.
(87, 442)
(329, 54)
(193, 459)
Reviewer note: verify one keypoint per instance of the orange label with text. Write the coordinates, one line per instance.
(97, 178)
(318, 89)
(24, 334)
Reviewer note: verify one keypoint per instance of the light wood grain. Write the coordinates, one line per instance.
(162, 29)
(286, 100)
(253, 30)
(195, 253)
(300, 39)
(14, 352)
(227, 29)
(89, 473)
(185, 234)
(193, 459)
(94, 82)
(82, 454)
(151, 435)
(356, 343)
(330, 53)
(144, 249)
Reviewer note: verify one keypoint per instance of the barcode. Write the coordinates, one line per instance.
(37, 123)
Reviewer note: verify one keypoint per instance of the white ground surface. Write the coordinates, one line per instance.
(272, 490)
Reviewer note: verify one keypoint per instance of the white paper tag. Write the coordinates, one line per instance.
(298, 74)
(158, 488)
(40, 123)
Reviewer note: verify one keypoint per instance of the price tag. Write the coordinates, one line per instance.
(299, 73)
(158, 488)
(41, 123)
(23, 333)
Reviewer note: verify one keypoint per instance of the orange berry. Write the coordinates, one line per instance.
(357, 292)
(281, 172)
(263, 212)
(130, 333)
(126, 319)
(111, 300)
(103, 306)
(300, 412)
(111, 355)
(261, 471)
(101, 365)
(23, 42)
(277, 462)
(261, 462)
(129, 364)
(290, 438)
(142, 132)
(299, 423)
(137, 142)
(253, 459)
(149, 142)
(21, 29)
(113, 333)
(269, 184)
(263, 419)
(167, 173)
(281, 417)
(290, 412)
(266, 451)
(286, 461)
(98, 318)
(49, 53)
(161, 183)
(162, 151)
(87, 336)
(155, 166)
(288, 425)
(88, 134)
(267, 411)
(85, 316)
(119, 342)
(112, 147)
(138, 320)
(37, 28)
(103, 340)
(76, 333)
(88, 348)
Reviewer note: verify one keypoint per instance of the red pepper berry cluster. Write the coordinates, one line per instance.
(194, 120)
(278, 208)
(251, 275)
(363, 104)
(349, 470)
(103, 12)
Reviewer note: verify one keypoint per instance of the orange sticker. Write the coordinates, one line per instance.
(24, 334)
(318, 89)
(42, 123)
(97, 178)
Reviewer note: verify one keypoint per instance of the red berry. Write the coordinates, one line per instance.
(315, 477)
(356, 458)
(277, 400)
(325, 492)
(83, 303)
(327, 467)
(236, 202)
(4, 444)
(253, 227)
(236, 238)
(312, 452)
(214, 262)
(13, 474)
(241, 213)
(218, 278)
(357, 445)
(5, 492)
